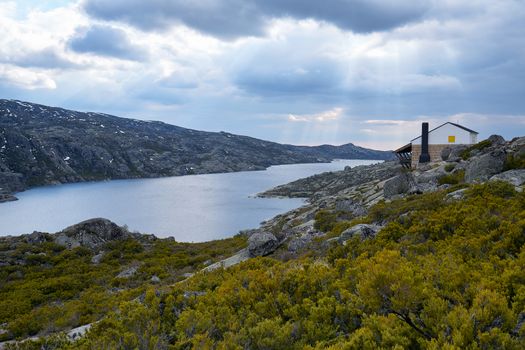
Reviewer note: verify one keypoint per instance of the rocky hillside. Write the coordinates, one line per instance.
(349, 194)
(380, 257)
(42, 145)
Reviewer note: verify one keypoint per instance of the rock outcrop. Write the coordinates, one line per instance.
(349, 194)
(482, 167)
(262, 243)
(515, 177)
(399, 184)
(453, 153)
(92, 233)
(364, 231)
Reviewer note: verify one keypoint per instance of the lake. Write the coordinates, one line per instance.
(193, 208)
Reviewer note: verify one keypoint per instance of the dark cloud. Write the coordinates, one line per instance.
(108, 41)
(236, 18)
(356, 15)
(319, 78)
(47, 59)
(222, 18)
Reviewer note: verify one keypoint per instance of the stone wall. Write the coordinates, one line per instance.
(433, 150)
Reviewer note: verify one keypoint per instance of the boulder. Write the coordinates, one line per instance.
(129, 272)
(348, 205)
(496, 140)
(36, 237)
(457, 195)
(445, 153)
(262, 243)
(299, 243)
(483, 167)
(455, 153)
(91, 233)
(364, 231)
(96, 259)
(155, 279)
(78, 332)
(303, 239)
(399, 184)
(517, 147)
(514, 177)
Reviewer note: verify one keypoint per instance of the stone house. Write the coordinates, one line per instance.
(427, 147)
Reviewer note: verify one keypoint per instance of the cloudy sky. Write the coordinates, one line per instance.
(294, 71)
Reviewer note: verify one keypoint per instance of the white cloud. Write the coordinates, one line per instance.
(25, 78)
(461, 62)
(330, 115)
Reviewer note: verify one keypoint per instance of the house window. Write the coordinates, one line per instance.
(452, 139)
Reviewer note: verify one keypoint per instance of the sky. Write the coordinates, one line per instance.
(293, 71)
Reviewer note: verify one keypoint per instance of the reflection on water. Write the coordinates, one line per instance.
(191, 208)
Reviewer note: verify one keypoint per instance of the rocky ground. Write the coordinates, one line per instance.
(354, 190)
(92, 234)
(42, 145)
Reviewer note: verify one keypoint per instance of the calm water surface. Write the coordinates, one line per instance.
(191, 208)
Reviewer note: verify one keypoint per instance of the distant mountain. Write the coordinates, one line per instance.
(42, 145)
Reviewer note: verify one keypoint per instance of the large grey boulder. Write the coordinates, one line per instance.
(262, 243)
(364, 231)
(483, 167)
(514, 177)
(445, 153)
(349, 205)
(496, 140)
(92, 233)
(36, 237)
(399, 184)
(453, 153)
(299, 243)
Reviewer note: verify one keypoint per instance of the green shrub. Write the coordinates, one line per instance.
(452, 179)
(500, 189)
(325, 220)
(514, 162)
(449, 167)
(466, 154)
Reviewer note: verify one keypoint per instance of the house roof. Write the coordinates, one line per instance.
(404, 149)
(456, 125)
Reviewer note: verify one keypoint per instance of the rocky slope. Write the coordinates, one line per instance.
(350, 193)
(92, 234)
(42, 145)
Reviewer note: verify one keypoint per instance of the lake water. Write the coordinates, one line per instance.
(192, 208)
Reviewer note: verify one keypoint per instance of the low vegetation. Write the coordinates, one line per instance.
(514, 162)
(442, 274)
(452, 178)
(54, 289)
(449, 167)
(466, 154)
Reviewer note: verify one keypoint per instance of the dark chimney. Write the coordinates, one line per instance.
(424, 157)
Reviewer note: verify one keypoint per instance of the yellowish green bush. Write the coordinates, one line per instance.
(453, 178)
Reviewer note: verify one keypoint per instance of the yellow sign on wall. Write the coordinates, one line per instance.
(451, 139)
